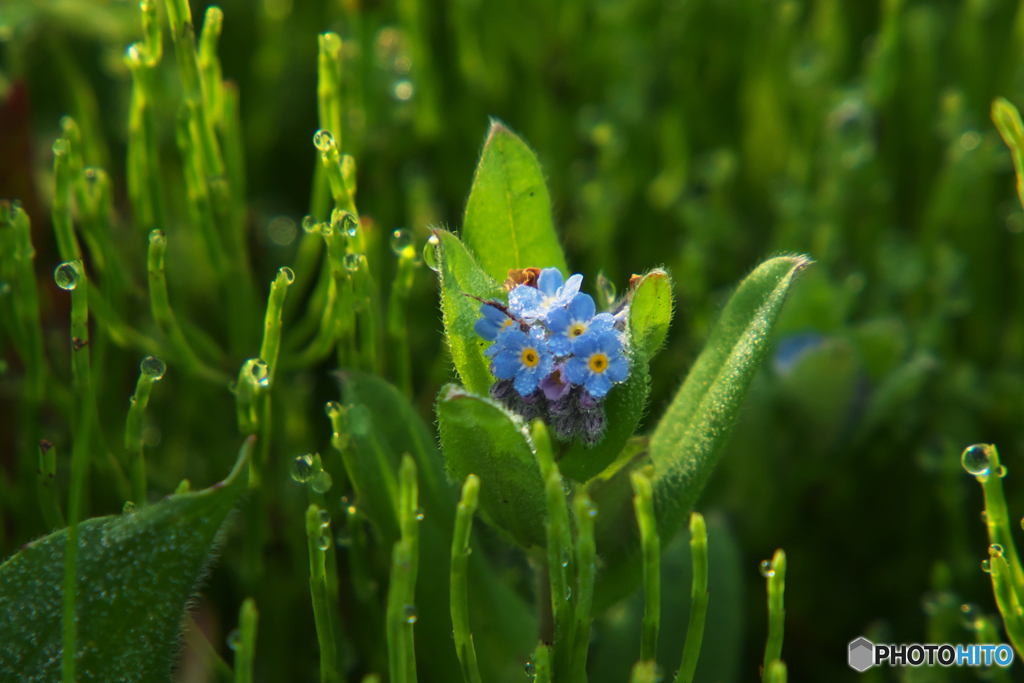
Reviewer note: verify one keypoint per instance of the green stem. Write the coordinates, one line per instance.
(464, 647)
(67, 243)
(651, 548)
(776, 672)
(268, 354)
(48, 502)
(248, 618)
(776, 608)
(401, 608)
(997, 514)
(151, 370)
(586, 568)
(318, 590)
(645, 671)
(698, 599)
(398, 318)
(542, 663)
(560, 559)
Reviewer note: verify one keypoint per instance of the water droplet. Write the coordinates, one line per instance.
(766, 569)
(333, 409)
(404, 90)
(351, 225)
(531, 669)
(157, 237)
(970, 617)
(129, 508)
(282, 231)
(323, 482)
(310, 224)
(352, 262)
(343, 538)
(323, 140)
(986, 566)
(302, 468)
(1001, 472)
(66, 275)
(60, 146)
(995, 550)
(325, 518)
(401, 241)
(324, 543)
(568, 592)
(289, 274)
(153, 368)
(430, 253)
(258, 368)
(359, 420)
(976, 460)
(850, 132)
(606, 288)
(410, 613)
(419, 514)
(234, 639)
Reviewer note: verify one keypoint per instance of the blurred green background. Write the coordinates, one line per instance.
(701, 135)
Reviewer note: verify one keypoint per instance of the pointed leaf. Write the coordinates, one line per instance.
(688, 440)
(479, 436)
(650, 311)
(508, 215)
(460, 275)
(136, 571)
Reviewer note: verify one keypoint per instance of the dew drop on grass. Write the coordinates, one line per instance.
(153, 368)
(129, 508)
(302, 468)
(1001, 472)
(289, 274)
(323, 482)
(258, 368)
(325, 518)
(419, 514)
(986, 566)
(66, 275)
(976, 460)
(430, 253)
(995, 550)
(323, 140)
(324, 543)
(350, 225)
(352, 262)
(310, 224)
(333, 409)
(401, 241)
(766, 569)
(234, 639)
(531, 669)
(410, 613)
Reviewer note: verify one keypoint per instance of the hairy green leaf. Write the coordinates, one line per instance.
(135, 574)
(650, 311)
(479, 436)
(461, 276)
(687, 443)
(508, 215)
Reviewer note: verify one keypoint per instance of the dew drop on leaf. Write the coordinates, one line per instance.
(322, 482)
(410, 613)
(234, 639)
(66, 275)
(430, 253)
(766, 569)
(976, 460)
(302, 468)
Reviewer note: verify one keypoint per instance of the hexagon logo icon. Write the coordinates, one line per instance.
(862, 654)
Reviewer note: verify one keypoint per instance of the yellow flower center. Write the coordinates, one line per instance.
(577, 329)
(598, 362)
(508, 321)
(530, 357)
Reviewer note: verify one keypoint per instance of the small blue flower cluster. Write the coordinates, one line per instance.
(553, 357)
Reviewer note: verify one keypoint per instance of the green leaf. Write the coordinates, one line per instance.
(460, 275)
(688, 441)
(479, 436)
(508, 215)
(136, 572)
(650, 311)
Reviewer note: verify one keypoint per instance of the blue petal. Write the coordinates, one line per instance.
(525, 301)
(488, 311)
(598, 385)
(560, 345)
(609, 342)
(585, 344)
(549, 281)
(492, 349)
(602, 322)
(576, 370)
(558, 320)
(526, 383)
(618, 369)
(512, 339)
(581, 308)
(572, 286)
(487, 328)
(538, 340)
(505, 365)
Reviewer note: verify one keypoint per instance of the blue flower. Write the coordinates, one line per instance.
(570, 322)
(598, 362)
(534, 303)
(491, 322)
(522, 357)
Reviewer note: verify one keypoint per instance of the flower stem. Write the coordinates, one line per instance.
(586, 568)
(698, 599)
(776, 610)
(318, 590)
(459, 580)
(651, 548)
(248, 618)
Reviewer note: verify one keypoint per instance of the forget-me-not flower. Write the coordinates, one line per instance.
(492, 321)
(573, 321)
(522, 357)
(598, 362)
(551, 292)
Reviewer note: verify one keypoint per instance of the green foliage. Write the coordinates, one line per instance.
(135, 573)
(508, 222)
